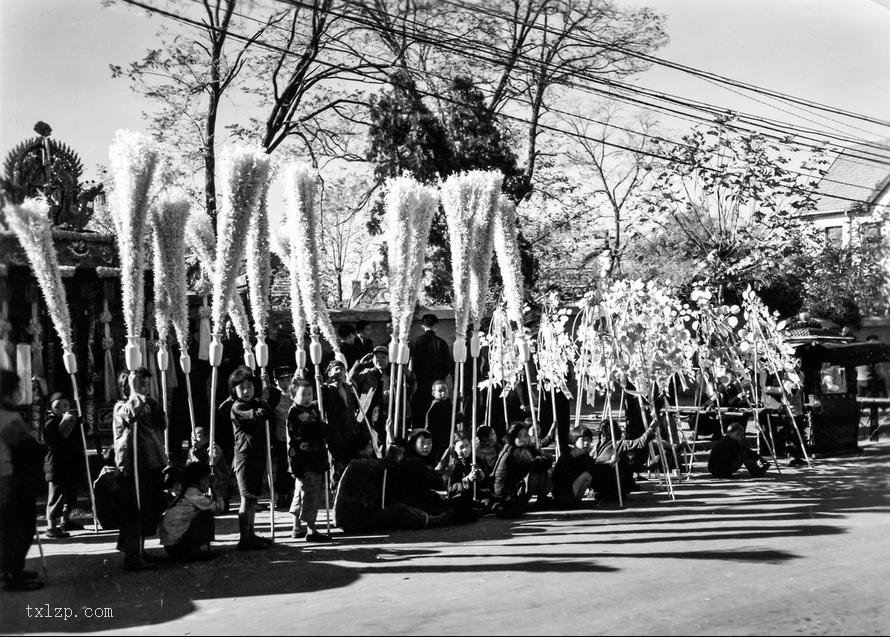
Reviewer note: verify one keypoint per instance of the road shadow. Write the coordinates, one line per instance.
(707, 517)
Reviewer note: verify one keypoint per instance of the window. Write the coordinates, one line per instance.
(835, 234)
(833, 379)
(870, 232)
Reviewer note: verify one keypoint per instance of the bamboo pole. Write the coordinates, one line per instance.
(607, 406)
(70, 362)
(698, 396)
(262, 358)
(555, 423)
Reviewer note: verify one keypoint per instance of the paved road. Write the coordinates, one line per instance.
(808, 552)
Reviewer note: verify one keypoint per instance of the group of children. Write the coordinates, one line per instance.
(432, 477)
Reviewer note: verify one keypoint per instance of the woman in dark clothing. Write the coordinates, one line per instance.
(249, 418)
(20, 482)
(519, 459)
(413, 481)
(139, 426)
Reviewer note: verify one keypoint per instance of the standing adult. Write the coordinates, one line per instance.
(431, 361)
(139, 426)
(20, 482)
(364, 342)
(348, 344)
(62, 466)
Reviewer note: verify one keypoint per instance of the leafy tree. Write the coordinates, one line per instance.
(407, 136)
(735, 198)
(186, 77)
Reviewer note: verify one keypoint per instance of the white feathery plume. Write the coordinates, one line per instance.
(30, 223)
(410, 207)
(483, 252)
(199, 238)
(398, 229)
(133, 160)
(244, 174)
(300, 186)
(428, 203)
(506, 247)
(169, 218)
(259, 266)
(462, 195)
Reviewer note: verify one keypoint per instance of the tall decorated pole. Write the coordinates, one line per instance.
(133, 161)
(480, 275)
(461, 195)
(300, 186)
(506, 247)
(30, 223)
(410, 207)
(259, 278)
(168, 220)
(244, 175)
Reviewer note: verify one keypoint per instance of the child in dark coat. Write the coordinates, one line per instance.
(438, 420)
(308, 459)
(249, 418)
(573, 472)
(519, 460)
(62, 465)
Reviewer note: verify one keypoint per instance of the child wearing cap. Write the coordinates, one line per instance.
(62, 465)
(250, 413)
(308, 458)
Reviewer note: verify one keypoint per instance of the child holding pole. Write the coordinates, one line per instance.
(308, 459)
(249, 416)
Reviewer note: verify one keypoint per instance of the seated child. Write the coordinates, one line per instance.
(308, 459)
(460, 475)
(221, 475)
(487, 449)
(364, 504)
(413, 481)
(519, 460)
(731, 452)
(573, 472)
(187, 526)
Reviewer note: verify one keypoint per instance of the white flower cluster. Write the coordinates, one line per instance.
(31, 225)
(555, 351)
(133, 160)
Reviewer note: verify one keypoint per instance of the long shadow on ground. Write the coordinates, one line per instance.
(706, 512)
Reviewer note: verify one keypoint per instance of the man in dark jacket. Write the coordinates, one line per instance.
(731, 452)
(64, 454)
(606, 455)
(20, 481)
(431, 360)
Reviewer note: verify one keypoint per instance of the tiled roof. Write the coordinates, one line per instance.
(854, 170)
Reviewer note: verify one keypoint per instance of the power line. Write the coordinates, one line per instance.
(780, 127)
(566, 113)
(685, 68)
(366, 76)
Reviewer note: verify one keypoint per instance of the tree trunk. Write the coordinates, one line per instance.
(210, 160)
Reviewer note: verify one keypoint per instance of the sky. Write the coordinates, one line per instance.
(55, 56)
